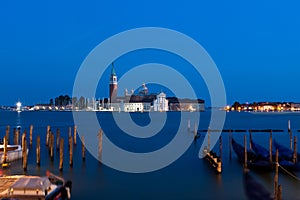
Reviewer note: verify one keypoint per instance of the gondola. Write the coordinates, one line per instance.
(263, 154)
(285, 152)
(253, 161)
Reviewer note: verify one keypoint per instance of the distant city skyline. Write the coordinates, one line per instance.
(255, 45)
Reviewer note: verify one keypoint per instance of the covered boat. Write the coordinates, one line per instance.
(34, 187)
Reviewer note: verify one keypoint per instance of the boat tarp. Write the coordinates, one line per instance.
(32, 183)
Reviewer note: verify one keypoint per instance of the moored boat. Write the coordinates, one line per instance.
(14, 152)
(24, 187)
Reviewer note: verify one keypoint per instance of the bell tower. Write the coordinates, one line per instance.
(113, 85)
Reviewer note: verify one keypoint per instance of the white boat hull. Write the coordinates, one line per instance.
(13, 154)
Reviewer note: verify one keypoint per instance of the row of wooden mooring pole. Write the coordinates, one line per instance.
(50, 143)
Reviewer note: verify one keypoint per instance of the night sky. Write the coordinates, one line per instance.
(255, 44)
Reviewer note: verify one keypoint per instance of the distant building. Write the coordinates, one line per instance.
(161, 103)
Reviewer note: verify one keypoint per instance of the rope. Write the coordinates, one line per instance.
(289, 173)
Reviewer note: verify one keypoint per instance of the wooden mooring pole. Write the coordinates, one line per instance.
(250, 135)
(15, 136)
(7, 133)
(83, 148)
(276, 177)
(57, 139)
(52, 146)
(189, 125)
(270, 147)
(221, 148)
(71, 150)
(245, 152)
(38, 150)
(5, 158)
(295, 150)
(25, 154)
(75, 135)
(291, 139)
(208, 139)
(100, 135)
(48, 135)
(30, 135)
(230, 144)
(61, 154)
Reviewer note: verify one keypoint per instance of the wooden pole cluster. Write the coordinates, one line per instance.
(245, 152)
(61, 154)
(48, 135)
(83, 148)
(30, 135)
(7, 133)
(57, 139)
(38, 150)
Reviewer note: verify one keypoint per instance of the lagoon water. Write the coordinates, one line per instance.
(187, 178)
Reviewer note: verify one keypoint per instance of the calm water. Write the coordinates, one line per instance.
(187, 178)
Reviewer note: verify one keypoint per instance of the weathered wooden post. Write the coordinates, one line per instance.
(23, 142)
(7, 133)
(245, 152)
(61, 154)
(83, 148)
(57, 139)
(271, 147)
(75, 134)
(295, 150)
(230, 143)
(279, 192)
(18, 135)
(189, 125)
(276, 177)
(5, 158)
(38, 150)
(25, 155)
(52, 146)
(291, 139)
(30, 135)
(15, 136)
(208, 139)
(48, 135)
(220, 140)
(289, 125)
(250, 135)
(100, 135)
(71, 150)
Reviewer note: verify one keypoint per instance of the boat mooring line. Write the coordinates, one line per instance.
(289, 173)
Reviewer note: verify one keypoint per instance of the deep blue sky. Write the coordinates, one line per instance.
(255, 44)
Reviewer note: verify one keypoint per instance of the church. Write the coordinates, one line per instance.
(145, 102)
